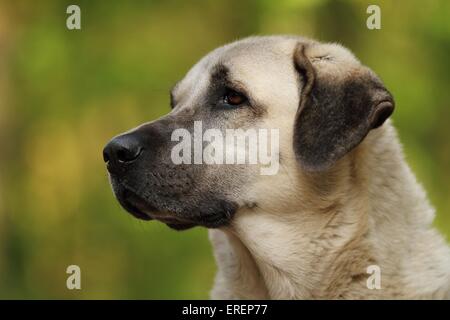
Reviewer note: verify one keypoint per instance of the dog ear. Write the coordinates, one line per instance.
(336, 111)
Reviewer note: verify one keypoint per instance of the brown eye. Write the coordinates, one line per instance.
(234, 98)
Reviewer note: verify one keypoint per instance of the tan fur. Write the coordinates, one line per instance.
(313, 235)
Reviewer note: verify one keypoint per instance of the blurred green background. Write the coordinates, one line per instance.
(64, 93)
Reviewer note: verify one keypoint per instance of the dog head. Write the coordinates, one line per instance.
(315, 102)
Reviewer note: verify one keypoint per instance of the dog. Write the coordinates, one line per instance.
(342, 203)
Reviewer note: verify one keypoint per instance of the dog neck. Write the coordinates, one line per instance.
(369, 211)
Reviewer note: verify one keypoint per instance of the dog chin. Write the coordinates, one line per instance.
(142, 210)
(147, 212)
(214, 214)
(181, 226)
(133, 204)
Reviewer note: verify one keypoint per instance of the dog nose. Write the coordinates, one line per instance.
(121, 150)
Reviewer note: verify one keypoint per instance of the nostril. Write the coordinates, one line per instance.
(120, 150)
(122, 155)
(128, 154)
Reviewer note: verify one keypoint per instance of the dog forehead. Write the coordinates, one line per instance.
(264, 65)
(247, 51)
(259, 60)
(252, 61)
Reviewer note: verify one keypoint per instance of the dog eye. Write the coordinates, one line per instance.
(234, 98)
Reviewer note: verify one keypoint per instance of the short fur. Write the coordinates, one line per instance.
(343, 200)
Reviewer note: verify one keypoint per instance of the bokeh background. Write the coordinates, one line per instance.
(64, 93)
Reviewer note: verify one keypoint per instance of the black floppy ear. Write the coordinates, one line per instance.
(337, 110)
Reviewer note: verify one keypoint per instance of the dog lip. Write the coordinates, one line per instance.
(174, 222)
(142, 210)
(168, 218)
(180, 223)
(134, 205)
(181, 226)
(138, 213)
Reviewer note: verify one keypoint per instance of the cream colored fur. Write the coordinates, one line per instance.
(377, 214)
(313, 235)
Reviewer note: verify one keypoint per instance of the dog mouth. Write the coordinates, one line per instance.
(135, 205)
(209, 211)
(142, 210)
